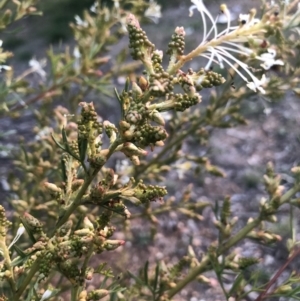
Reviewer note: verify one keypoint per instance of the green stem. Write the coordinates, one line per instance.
(240, 32)
(239, 236)
(171, 144)
(289, 194)
(7, 262)
(27, 280)
(84, 188)
(65, 218)
(204, 265)
(74, 292)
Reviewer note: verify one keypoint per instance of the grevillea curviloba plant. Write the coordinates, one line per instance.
(102, 159)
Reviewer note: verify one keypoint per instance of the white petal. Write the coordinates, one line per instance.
(244, 17)
(46, 295)
(279, 62)
(272, 52)
(5, 67)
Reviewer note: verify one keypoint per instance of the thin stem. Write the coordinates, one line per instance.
(275, 277)
(292, 224)
(27, 280)
(289, 194)
(83, 189)
(51, 91)
(65, 218)
(239, 236)
(171, 144)
(204, 265)
(7, 262)
(74, 292)
(240, 31)
(201, 268)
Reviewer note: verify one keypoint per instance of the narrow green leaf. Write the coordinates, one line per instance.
(138, 280)
(146, 272)
(64, 135)
(19, 251)
(63, 170)
(25, 154)
(236, 284)
(82, 145)
(103, 283)
(117, 95)
(156, 277)
(120, 101)
(65, 140)
(19, 261)
(126, 88)
(28, 229)
(58, 144)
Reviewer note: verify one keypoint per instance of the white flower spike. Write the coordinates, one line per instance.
(225, 51)
(199, 5)
(257, 84)
(153, 12)
(20, 232)
(94, 7)
(5, 67)
(37, 66)
(77, 61)
(81, 22)
(269, 60)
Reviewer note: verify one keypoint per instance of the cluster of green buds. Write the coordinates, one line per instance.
(93, 295)
(89, 130)
(275, 191)
(225, 223)
(235, 262)
(66, 247)
(5, 264)
(264, 236)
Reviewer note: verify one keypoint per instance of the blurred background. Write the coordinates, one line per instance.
(32, 35)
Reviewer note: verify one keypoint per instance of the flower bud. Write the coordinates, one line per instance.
(83, 232)
(283, 289)
(52, 187)
(131, 149)
(97, 294)
(88, 224)
(157, 117)
(124, 125)
(113, 244)
(135, 160)
(136, 89)
(143, 83)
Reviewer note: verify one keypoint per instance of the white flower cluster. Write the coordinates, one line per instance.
(4, 67)
(223, 53)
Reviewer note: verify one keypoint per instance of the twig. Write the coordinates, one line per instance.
(275, 277)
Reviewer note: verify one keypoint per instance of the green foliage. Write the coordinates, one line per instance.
(69, 198)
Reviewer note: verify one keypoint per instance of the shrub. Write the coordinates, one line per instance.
(68, 196)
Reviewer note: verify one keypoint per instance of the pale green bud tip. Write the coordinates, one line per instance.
(180, 31)
(52, 187)
(88, 224)
(132, 20)
(97, 294)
